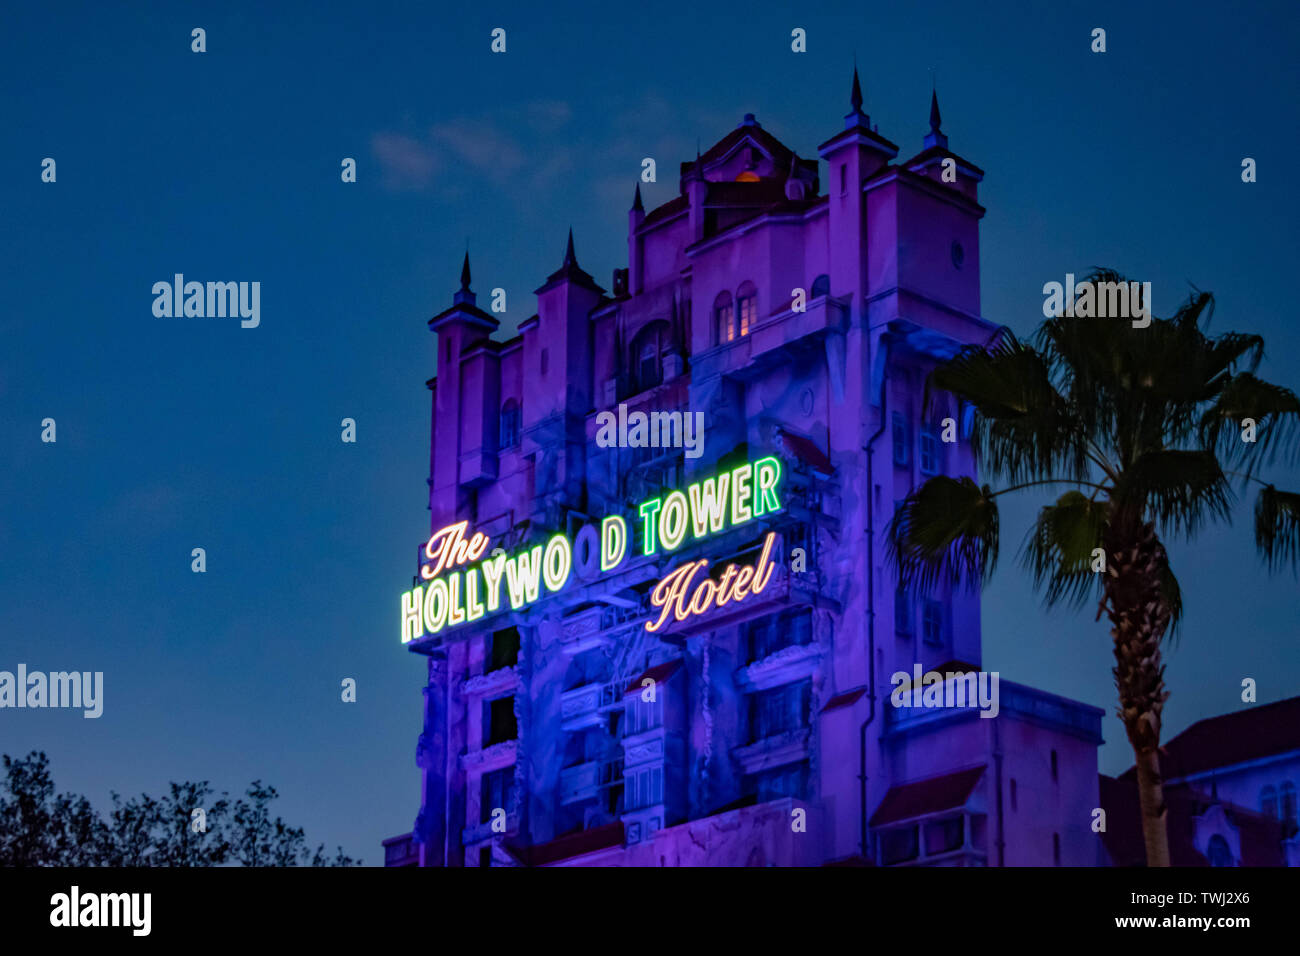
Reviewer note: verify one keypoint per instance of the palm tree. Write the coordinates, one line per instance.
(1151, 427)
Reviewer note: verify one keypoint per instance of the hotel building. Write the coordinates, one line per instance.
(799, 303)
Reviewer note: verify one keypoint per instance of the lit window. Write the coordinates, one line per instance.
(724, 324)
(747, 307)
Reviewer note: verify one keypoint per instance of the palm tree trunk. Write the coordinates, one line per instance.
(1139, 617)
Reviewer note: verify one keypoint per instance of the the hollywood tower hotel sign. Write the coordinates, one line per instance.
(459, 586)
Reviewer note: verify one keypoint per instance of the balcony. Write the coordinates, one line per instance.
(402, 851)
(580, 707)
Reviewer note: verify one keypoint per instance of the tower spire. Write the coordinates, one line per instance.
(464, 273)
(569, 258)
(855, 98)
(935, 137)
(636, 202)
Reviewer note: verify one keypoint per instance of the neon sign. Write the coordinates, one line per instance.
(456, 590)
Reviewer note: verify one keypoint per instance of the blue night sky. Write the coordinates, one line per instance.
(183, 433)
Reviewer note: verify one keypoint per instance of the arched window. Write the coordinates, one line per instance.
(1268, 803)
(1218, 851)
(647, 356)
(746, 308)
(509, 425)
(724, 319)
(821, 286)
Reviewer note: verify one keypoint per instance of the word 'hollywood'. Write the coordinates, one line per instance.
(452, 597)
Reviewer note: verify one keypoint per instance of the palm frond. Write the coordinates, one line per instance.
(1181, 489)
(1275, 411)
(1277, 527)
(1023, 428)
(1059, 548)
(945, 531)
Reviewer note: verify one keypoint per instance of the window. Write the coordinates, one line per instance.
(1054, 766)
(1013, 793)
(1218, 852)
(931, 451)
(643, 715)
(1287, 807)
(1056, 849)
(724, 322)
(499, 721)
(502, 650)
(545, 363)
(821, 286)
(497, 789)
(645, 788)
(509, 437)
(779, 710)
(647, 356)
(767, 635)
(902, 439)
(788, 781)
(944, 836)
(747, 307)
(932, 621)
(485, 855)
(899, 846)
(902, 612)
(1268, 803)
(844, 178)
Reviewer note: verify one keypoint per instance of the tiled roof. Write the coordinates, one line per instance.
(932, 795)
(1251, 733)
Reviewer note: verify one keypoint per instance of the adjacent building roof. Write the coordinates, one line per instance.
(1252, 733)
